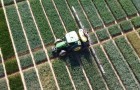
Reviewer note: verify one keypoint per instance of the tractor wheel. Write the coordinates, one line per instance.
(54, 51)
(62, 53)
(77, 48)
(57, 40)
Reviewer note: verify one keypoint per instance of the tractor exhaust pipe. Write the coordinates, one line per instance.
(77, 18)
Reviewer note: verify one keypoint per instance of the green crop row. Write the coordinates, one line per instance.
(116, 9)
(5, 41)
(93, 38)
(1, 70)
(62, 75)
(3, 84)
(65, 14)
(46, 77)
(53, 18)
(19, 39)
(90, 68)
(136, 22)
(79, 12)
(31, 79)
(29, 25)
(128, 7)
(126, 26)
(41, 21)
(110, 76)
(76, 72)
(103, 10)
(91, 13)
(137, 4)
(26, 60)
(135, 41)
(15, 82)
(8, 2)
(119, 63)
(102, 34)
(114, 30)
(39, 56)
(129, 55)
(11, 66)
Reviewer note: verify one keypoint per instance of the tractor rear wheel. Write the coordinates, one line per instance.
(62, 53)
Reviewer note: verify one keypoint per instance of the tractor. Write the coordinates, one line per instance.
(72, 41)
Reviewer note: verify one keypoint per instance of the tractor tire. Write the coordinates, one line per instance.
(62, 53)
(77, 48)
(57, 40)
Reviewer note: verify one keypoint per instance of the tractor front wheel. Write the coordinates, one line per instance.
(57, 40)
(62, 53)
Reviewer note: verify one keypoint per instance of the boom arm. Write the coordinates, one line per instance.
(91, 48)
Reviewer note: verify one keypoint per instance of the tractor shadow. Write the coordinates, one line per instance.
(74, 59)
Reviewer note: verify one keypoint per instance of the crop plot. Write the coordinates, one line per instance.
(63, 78)
(29, 25)
(91, 13)
(137, 4)
(130, 57)
(80, 12)
(110, 75)
(65, 14)
(3, 84)
(119, 63)
(104, 12)
(5, 42)
(91, 70)
(53, 18)
(46, 77)
(41, 21)
(136, 22)
(16, 29)
(114, 30)
(15, 82)
(31, 79)
(134, 40)
(76, 72)
(128, 7)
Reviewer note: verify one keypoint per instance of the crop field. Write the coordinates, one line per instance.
(29, 28)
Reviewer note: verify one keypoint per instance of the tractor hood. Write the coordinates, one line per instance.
(71, 37)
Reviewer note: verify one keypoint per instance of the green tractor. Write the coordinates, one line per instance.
(72, 41)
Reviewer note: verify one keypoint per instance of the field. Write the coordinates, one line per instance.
(28, 29)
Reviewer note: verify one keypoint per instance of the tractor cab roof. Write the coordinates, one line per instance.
(71, 37)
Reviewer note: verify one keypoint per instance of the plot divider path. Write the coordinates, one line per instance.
(46, 52)
(27, 41)
(14, 47)
(55, 39)
(4, 68)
